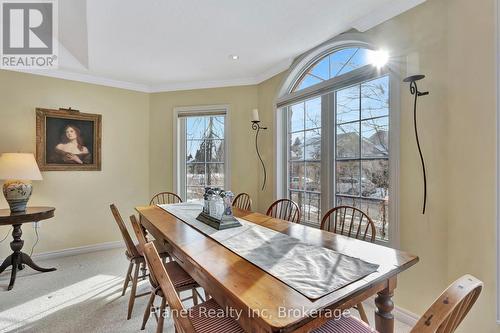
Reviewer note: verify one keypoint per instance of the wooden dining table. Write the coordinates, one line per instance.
(264, 303)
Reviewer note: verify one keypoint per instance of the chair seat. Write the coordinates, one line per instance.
(346, 324)
(212, 324)
(180, 278)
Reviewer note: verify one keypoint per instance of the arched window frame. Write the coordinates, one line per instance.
(286, 97)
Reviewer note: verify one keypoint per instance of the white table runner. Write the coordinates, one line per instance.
(313, 271)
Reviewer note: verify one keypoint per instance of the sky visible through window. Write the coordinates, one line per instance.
(205, 154)
(333, 65)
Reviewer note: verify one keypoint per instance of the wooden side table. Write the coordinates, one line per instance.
(18, 258)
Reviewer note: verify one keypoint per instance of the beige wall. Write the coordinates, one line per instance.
(243, 161)
(471, 145)
(81, 198)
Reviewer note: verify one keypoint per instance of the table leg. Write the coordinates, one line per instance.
(15, 263)
(18, 258)
(6, 263)
(25, 259)
(16, 245)
(384, 319)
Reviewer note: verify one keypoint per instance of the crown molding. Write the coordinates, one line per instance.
(85, 78)
(177, 86)
(278, 68)
(384, 13)
(157, 88)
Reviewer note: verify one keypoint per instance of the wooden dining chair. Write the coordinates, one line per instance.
(349, 221)
(196, 319)
(352, 222)
(165, 198)
(135, 258)
(243, 201)
(284, 209)
(444, 315)
(181, 280)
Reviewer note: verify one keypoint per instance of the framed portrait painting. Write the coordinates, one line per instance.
(67, 140)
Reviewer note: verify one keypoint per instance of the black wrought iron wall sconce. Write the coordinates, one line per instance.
(257, 127)
(415, 92)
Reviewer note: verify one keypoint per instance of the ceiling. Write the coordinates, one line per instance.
(162, 45)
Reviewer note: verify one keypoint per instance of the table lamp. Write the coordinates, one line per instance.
(18, 170)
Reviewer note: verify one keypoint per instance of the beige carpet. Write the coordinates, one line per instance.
(83, 295)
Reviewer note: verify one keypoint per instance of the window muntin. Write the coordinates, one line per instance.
(322, 81)
(304, 158)
(362, 149)
(204, 147)
(332, 65)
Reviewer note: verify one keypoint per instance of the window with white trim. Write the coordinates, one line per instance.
(362, 149)
(202, 152)
(336, 140)
(304, 157)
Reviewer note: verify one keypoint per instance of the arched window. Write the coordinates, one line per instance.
(335, 133)
(340, 62)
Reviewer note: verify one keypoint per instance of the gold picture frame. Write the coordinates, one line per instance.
(68, 140)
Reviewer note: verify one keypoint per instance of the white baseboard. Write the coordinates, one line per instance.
(406, 317)
(78, 250)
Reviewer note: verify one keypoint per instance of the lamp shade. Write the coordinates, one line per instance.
(19, 166)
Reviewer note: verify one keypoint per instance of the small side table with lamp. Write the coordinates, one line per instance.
(18, 170)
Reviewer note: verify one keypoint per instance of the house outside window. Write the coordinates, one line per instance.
(338, 139)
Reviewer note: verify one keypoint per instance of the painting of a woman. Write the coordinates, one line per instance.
(68, 140)
(71, 149)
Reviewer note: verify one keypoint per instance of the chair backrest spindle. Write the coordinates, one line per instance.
(156, 267)
(358, 225)
(131, 249)
(165, 198)
(284, 209)
(450, 309)
(243, 201)
(139, 232)
(143, 240)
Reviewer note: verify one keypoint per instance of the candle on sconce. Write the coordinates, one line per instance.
(256, 126)
(255, 115)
